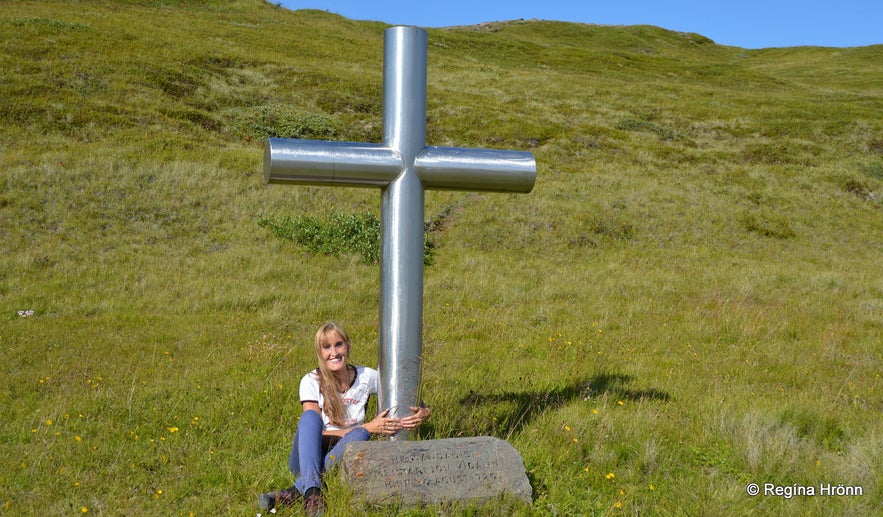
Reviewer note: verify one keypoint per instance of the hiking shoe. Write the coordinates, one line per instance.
(314, 504)
(276, 499)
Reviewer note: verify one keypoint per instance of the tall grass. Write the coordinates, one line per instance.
(689, 301)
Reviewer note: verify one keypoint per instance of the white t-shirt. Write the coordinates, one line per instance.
(355, 400)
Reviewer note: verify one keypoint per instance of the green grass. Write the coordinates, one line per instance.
(690, 300)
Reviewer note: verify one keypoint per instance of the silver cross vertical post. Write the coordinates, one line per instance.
(402, 167)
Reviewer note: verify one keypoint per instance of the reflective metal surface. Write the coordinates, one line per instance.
(452, 168)
(314, 162)
(402, 167)
(401, 249)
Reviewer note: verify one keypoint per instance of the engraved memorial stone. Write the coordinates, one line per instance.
(434, 471)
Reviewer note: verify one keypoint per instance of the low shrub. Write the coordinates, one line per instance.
(260, 122)
(339, 234)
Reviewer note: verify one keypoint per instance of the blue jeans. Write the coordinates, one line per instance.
(309, 457)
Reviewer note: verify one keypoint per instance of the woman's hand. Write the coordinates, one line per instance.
(421, 414)
(382, 424)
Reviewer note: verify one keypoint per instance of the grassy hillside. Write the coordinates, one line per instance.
(689, 301)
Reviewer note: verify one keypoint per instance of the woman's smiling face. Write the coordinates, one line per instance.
(334, 352)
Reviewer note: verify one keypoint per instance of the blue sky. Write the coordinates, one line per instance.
(745, 23)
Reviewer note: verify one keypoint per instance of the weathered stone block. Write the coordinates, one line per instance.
(434, 471)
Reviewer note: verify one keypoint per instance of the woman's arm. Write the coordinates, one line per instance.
(314, 406)
(389, 426)
(421, 414)
(381, 424)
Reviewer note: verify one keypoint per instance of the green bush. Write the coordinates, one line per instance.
(357, 234)
(260, 122)
(768, 225)
(631, 124)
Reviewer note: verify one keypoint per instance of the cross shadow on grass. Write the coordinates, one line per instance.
(505, 413)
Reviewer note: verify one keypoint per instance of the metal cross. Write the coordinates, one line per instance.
(402, 167)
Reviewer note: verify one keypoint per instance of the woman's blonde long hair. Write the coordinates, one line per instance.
(333, 407)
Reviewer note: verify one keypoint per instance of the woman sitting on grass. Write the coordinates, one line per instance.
(334, 397)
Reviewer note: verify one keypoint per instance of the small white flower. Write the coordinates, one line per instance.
(25, 314)
(272, 510)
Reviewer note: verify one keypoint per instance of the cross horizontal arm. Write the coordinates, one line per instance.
(489, 170)
(315, 162)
